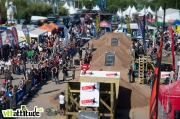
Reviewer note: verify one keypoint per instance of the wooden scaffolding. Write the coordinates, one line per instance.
(107, 100)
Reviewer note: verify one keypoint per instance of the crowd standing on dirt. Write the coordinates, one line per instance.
(47, 60)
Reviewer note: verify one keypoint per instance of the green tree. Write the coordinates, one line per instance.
(88, 4)
(112, 8)
(63, 11)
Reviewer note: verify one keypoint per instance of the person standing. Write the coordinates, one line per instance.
(62, 103)
(178, 64)
(73, 73)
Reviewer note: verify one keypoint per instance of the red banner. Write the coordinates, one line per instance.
(172, 47)
(0, 16)
(15, 35)
(1, 46)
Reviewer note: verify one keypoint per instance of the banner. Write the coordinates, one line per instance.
(89, 94)
(20, 94)
(1, 46)
(10, 37)
(66, 35)
(0, 15)
(15, 35)
(128, 24)
(97, 24)
(28, 87)
(26, 33)
(172, 47)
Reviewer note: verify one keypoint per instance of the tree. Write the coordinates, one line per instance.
(63, 11)
(112, 8)
(88, 4)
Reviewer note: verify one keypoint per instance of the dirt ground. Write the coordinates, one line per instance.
(133, 98)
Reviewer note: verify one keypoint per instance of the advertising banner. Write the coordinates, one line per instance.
(20, 94)
(88, 115)
(28, 87)
(89, 94)
(165, 74)
(128, 24)
(26, 33)
(10, 37)
(15, 35)
(1, 45)
(97, 24)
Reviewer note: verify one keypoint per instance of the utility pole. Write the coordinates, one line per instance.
(176, 4)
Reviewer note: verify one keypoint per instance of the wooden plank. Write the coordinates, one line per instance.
(112, 99)
(78, 91)
(104, 103)
(77, 104)
(67, 96)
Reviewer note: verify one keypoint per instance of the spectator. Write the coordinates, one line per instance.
(62, 103)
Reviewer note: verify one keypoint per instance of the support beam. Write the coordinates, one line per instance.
(104, 103)
(77, 104)
(101, 92)
(112, 99)
(67, 96)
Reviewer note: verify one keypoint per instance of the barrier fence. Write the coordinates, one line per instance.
(25, 90)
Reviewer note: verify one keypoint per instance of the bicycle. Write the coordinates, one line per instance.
(52, 112)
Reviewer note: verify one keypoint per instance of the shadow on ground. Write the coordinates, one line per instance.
(124, 103)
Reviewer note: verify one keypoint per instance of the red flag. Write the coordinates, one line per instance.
(155, 85)
(15, 35)
(0, 16)
(172, 47)
(1, 46)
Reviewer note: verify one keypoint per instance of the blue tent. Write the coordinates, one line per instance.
(176, 22)
(60, 25)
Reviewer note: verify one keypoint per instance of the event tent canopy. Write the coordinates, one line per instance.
(133, 10)
(173, 94)
(160, 9)
(104, 24)
(143, 11)
(66, 6)
(54, 25)
(127, 11)
(150, 10)
(84, 8)
(47, 27)
(176, 22)
(72, 10)
(37, 32)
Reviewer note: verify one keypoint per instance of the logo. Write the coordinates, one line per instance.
(89, 101)
(111, 74)
(23, 112)
(89, 88)
(164, 75)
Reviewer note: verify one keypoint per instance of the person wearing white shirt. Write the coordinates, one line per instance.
(2, 66)
(62, 103)
(178, 64)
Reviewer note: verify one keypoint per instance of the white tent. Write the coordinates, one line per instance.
(135, 26)
(84, 8)
(72, 10)
(127, 11)
(160, 9)
(37, 33)
(143, 11)
(66, 6)
(34, 18)
(119, 12)
(133, 10)
(96, 8)
(150, 10)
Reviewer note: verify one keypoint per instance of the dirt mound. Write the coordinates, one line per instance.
(122, 53)
(130, 96)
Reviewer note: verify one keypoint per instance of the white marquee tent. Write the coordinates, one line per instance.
(119, 12)
(133, 10)
(127, 11)
(143, 11)
(72, 10)
(84, 8)
(66, 6)
(150, 10)
(96, 8)
(160, 9)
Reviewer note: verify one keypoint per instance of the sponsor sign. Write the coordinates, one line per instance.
(97, 24)
(26, 33)
(165, 74)
(88, 115)
(15, 35)
(23, 112)
(89, 94)
(128, 24)
(10, 37)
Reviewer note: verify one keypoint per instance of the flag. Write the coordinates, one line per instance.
(15, 35)
(128, 24)
(0, 16)
(26, 33)
(156, 20)
(11, 38)
(155, 84)
(172, 47)
(143, 32)
(1, 46)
